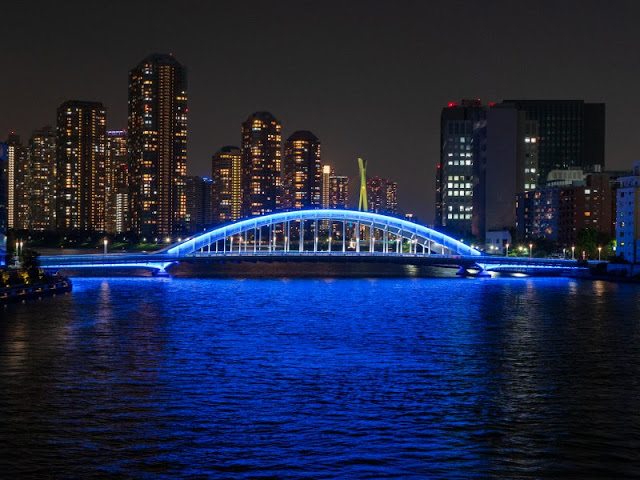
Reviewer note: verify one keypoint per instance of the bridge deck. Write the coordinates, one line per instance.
(160, 261)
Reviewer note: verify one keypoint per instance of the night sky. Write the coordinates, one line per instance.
(368, 78)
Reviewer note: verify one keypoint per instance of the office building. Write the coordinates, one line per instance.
(571, 133)
(158, 146)
(302, 187)
(117, 189)
(262, 164)
(489, 154)
(504, 154)
(81, 146)
(628, 216)
(226, 176)
(382, 196)
(454, 176)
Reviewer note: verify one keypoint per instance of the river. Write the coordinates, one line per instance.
(438, 378)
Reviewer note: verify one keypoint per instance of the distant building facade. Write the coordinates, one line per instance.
(327, 171)
(559, 211)
(504, 154)
(80, 166)
(3, 202)
(454, 176)
(628, 216)
(571, 133)
(226, 176)
(16, 183)
(157, 129)
(302, 186)
(41, 183)
(117, 182)
(489, 154)
(199, 203)
(262, 164)
(382, 195)
(339, 191)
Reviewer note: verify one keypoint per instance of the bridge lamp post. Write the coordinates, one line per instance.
(573, 252)
(599, 251)
(530, 250)
(106, 242)
(507, 245)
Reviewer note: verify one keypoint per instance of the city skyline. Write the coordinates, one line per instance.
(396, 65)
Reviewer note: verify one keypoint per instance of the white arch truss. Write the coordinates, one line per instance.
(391, 230)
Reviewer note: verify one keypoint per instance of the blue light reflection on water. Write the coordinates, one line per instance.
(387, 378)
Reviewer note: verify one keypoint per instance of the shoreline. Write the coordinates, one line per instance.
(20, 293)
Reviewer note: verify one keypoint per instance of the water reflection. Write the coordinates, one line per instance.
(328, 378)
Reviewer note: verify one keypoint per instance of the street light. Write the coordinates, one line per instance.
(507, 245)
(573, 252)
(599, 251)
(105, 245)
(530, 250)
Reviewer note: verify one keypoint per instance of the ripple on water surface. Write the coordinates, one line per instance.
(387, 378)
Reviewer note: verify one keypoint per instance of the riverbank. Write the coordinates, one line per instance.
(19, 293)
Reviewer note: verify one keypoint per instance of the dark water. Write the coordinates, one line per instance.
(394, 378)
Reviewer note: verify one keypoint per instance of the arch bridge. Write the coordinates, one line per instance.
(321, 230)
(321, 234)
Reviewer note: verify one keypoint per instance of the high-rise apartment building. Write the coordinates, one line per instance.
(158, 145)
(382, 195)
(571, 133)
(339, 191)
(3, 202)
(41, 183)
(628, 216)
(302, 172)
(81, 146)
(226, 176)
(117, 190)
(16, 181)
(327, 171)
(262, 166)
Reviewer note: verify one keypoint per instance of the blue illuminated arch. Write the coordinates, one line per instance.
(394, 225)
